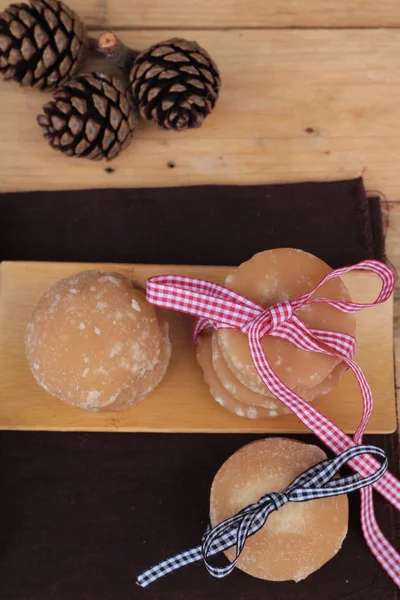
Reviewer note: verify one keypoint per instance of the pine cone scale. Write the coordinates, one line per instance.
(14, 57)
(79, 30)
(101, 104)
(49, 57)
(153, 93)
(5, 43)
(27, 80)
(75, 125)
(18, 29)
(51, 18)
(160, 51)
(199, 58)
(10, 73)
(62, 107)
(26, 18)
(123, 131)
(176, 57)
(58, 123)
(82, 147)
(65, 67)
(167, 74)
(178, 87)
(132, 118)
(108, 139)
(40, 36)
(167, 104)
(154, 71)
(66, 139)
(27, 49)
(125, 105)
(91, 130)
(190, 69)
(115, 118)
(143, 68)
(66, 21)
(110, 92)
(61, 40)
(208, 75)
(94, 83)
(53, 5)
(39, 72)
(80, 104)
(116, 148)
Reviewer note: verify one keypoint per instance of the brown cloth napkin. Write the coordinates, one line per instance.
(207, 225)
(83, 514)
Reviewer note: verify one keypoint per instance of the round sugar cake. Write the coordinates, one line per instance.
(297, 539)
(272, 277)
(92, 338)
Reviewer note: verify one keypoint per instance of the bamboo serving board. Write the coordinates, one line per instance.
(182, 402)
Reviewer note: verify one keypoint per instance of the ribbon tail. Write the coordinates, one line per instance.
(169, 565)
(380, 547)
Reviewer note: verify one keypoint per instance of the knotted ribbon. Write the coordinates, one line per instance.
(221, 308)
(317, 482)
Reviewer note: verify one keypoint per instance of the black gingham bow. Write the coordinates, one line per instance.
(317, 482)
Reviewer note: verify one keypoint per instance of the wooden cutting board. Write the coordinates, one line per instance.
(182, 402)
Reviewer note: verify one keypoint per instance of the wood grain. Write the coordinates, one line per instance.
(253, 13)
(295, 105)
(235, 13)
(182, 402)
(94, 13)
(392, 212)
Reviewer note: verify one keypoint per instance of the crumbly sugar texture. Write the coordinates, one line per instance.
(266, 399)
(297, 539)
(272, 277)
(95, 342)
(222, 396)
(146, 384)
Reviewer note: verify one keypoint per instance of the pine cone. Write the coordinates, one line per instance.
(91, 116)
(40, 45)
(175, 83)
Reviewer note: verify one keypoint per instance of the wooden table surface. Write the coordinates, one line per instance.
(311, 91)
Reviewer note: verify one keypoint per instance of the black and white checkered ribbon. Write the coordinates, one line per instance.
(317, 482)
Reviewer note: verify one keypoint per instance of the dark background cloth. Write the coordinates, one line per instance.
(82, 514)
(208, 225)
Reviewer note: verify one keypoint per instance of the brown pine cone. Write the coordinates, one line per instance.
(92, 116)
(175, 83)
(41, 45)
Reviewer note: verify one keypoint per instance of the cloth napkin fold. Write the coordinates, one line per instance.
(83, 514)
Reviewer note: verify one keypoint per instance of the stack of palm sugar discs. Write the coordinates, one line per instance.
(95, 342)
(270, 278)
(298, 538)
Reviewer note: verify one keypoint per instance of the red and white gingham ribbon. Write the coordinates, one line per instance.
(220, 308)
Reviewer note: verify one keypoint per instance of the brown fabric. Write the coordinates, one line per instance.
(83, 514)
(192, 225)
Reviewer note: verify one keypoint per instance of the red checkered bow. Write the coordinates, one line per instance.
(221, 308)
